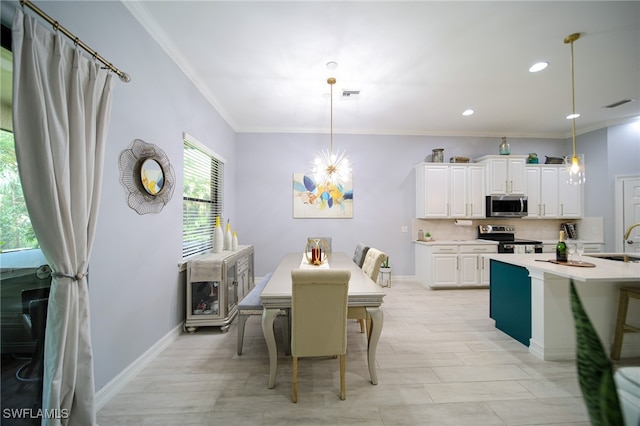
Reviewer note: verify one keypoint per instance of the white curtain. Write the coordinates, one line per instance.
(62, 104)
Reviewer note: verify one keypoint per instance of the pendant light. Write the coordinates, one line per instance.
(329, 168)
(575, 162)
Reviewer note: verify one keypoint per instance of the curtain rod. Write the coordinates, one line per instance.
(56, 26)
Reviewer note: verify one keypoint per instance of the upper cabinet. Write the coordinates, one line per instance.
(549, 194)
(505, 174)
(453, 190)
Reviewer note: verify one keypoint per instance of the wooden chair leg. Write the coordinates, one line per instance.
(623, 305)
(343, 369)
(361, 322)
(294, 396)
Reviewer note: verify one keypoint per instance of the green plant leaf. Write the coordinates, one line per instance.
(595, 372)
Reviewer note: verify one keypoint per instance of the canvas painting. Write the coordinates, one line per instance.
(311, 200)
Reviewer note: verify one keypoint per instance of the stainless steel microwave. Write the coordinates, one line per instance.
(506, 206)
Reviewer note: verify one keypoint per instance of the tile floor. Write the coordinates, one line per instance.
(440, 362)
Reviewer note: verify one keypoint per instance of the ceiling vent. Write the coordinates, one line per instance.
(350, 94)
(617, 104)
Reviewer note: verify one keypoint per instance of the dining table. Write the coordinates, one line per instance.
(364, 293)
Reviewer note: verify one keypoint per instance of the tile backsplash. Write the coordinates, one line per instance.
(589, 228)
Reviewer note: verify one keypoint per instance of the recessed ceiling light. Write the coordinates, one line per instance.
(468, 112)
(572, 116)
(539, 66)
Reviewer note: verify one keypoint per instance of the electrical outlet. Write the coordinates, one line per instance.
(404, 229)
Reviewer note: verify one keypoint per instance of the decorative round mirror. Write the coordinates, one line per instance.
(151, 176)
(147, 177)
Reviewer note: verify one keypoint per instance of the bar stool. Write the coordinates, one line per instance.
(621, 325)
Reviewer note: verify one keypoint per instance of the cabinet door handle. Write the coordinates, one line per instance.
(477, 265)
(561, 209)
(457, 263)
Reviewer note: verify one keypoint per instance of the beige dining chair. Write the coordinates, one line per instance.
(319, 318)
(371, 266)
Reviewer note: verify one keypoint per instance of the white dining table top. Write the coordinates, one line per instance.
(363, 291)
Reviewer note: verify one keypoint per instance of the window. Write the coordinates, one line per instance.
(15, 226)
(202, 198)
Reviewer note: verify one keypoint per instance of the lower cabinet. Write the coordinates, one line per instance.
(215, 283)
(453, 265)
(510, 300)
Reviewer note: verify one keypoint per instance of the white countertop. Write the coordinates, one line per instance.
(455, 242)
(605, 270)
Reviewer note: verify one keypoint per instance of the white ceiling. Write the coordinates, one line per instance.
(418, 64)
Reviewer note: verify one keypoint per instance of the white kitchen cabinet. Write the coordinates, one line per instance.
(505, 174)
(549, 195)
(474, 268)
(453, 265)
(450, 190)
(570, 196)
(432, 191)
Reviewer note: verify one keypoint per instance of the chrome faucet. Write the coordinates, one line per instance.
(626, 238)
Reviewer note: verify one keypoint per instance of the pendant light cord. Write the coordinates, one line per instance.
(331, 82)
(570, 39)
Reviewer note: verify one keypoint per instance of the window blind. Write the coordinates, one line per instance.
(202, 198)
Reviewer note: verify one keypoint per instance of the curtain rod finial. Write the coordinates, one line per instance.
(125, 77)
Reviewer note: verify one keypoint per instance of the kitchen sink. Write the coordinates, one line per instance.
(618, 257)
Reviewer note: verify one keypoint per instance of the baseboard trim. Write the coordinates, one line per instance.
(106, 393)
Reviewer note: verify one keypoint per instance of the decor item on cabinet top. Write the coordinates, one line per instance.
(533, 158)
(228, 238)
(459, 160)
(218, 237)
(553, 160)
(437, 155)
(505, 148)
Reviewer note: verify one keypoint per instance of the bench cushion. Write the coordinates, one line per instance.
(252, 300)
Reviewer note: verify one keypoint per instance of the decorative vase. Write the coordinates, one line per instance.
(316, 252)
(505, 148)
(234, 241)
(533, 158)
(227, 237)
(218, 237)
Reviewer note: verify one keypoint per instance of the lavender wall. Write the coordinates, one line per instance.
(383, 185)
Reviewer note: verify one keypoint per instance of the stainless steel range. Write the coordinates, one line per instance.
(507, 242)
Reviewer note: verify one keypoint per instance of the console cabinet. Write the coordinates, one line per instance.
(215, 283)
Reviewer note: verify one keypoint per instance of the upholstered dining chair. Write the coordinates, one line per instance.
(360, 254)
(371, 266)
(327, 241)
(319, 318)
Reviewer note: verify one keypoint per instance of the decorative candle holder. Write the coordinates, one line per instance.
(316, 252)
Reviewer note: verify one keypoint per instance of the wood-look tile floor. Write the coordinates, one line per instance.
(440, 361)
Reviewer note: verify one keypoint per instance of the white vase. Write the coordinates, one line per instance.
(218, 237)
(227, 237)
(234, 241)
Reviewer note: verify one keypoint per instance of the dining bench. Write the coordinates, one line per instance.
(251, 305)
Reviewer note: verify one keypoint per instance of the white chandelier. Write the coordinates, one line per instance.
(329, 168)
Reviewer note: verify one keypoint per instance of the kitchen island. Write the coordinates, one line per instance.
(552, 327)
